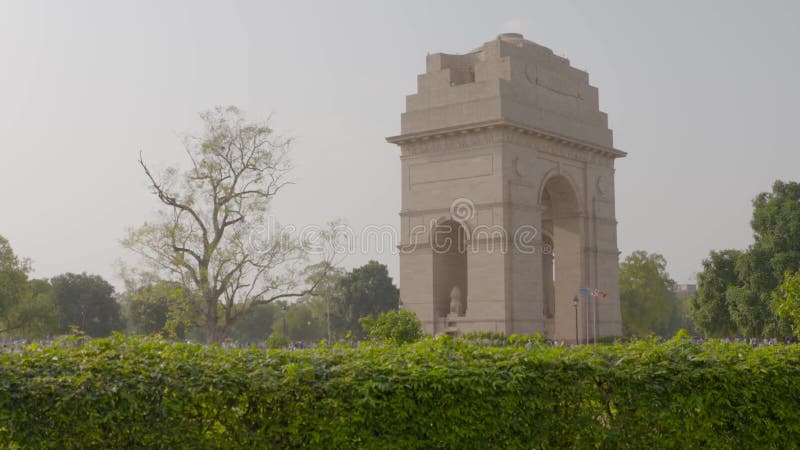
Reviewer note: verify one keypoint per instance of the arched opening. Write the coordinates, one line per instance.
(561, 265)
(449, 246)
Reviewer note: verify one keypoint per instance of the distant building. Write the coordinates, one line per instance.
(685, 290)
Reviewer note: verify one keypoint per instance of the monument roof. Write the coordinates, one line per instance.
(508, 81)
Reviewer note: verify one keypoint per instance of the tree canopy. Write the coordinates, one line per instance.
(13, 285)
(737, 289)
(151, 308)
(365, 291)
(647, 295)
(26, 307)
(213, 235)
(709, 307)
(87, 302)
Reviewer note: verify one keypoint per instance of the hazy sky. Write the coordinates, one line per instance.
(704, 97)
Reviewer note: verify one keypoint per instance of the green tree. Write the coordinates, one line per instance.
(751, 314)
(709, 307)
(646, 294)
(680, 318)
(787, 301)
(86, 301)
(398, 327)
(309, 319)
(13, 286)
(737, 290)
(298, 322)
(26, 308)
(776, 250)
(322, 302)
(213, 235)
(776, 224)
(256, 326)
(38, 314)
(150, 308)
(365, 291)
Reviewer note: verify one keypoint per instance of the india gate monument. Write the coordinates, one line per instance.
(508, 196)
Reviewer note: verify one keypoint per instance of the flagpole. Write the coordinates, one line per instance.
(575, 304)
(588, 311)
(596, 299)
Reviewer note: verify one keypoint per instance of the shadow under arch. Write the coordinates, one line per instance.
(449, 244)
(562, 267)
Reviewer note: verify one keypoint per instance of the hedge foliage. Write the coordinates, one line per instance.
(437, 393)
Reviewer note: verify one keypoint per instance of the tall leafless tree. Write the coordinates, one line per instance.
(213, 234)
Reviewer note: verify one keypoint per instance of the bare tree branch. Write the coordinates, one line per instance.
(209, 243)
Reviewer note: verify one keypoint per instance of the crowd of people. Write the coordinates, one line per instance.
(751, 341)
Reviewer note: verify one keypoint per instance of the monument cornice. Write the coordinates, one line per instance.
(502, 239)
(478, 206)
(505, 124)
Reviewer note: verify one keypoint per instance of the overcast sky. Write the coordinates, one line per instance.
(704, 97)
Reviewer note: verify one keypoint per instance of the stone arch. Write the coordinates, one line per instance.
(458, 144)
(449, 244)
(563, 177)
(562, 270)
(464, 224)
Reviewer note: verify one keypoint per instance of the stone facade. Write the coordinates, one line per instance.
(508, 195)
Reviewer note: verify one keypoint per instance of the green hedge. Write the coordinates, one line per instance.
(443, 393)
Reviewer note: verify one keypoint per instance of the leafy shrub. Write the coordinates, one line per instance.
(612, 339)
(277, 340)
(436, 393)
(493, 339)
(787, 301)
(488, 338)
(487, 335)
(681, 334)
(399, 326)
